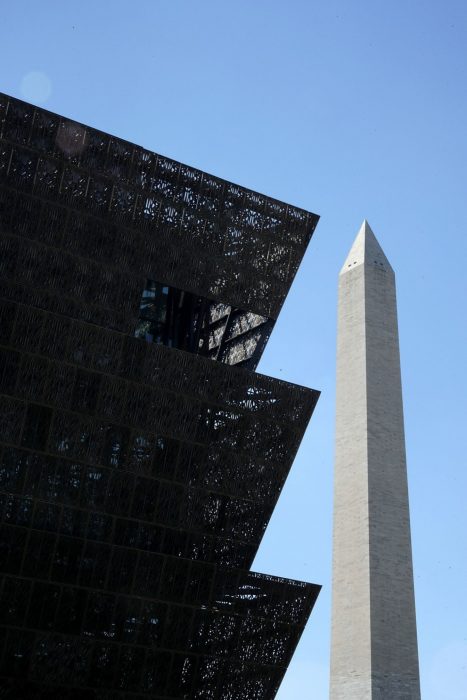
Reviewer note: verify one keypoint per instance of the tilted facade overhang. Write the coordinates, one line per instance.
(136, 479)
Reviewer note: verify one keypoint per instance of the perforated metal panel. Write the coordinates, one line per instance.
(164, 220)
(137, 479)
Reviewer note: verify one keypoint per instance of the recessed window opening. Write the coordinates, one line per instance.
(180, 319)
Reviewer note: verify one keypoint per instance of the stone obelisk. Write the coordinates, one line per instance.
(374, 652)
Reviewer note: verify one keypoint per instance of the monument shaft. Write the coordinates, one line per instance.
(374, 640)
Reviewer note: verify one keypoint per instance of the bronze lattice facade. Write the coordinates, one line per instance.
(141, 455)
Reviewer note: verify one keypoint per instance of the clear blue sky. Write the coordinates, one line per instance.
(352, 110)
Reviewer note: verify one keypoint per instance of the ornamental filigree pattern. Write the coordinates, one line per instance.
(137, 475)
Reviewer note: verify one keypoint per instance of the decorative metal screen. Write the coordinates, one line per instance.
(137, 476)
(163, 220)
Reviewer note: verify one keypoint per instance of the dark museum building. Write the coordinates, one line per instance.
(141, 455)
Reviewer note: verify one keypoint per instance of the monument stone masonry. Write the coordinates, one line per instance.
(374, 639)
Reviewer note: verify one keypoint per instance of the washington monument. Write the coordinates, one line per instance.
(374, 638)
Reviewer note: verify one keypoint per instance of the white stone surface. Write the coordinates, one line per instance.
(374, 640)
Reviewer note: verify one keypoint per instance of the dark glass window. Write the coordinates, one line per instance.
(153, 617)
(13, 600)
(46, 517)
(165, 457)
(67, 559)
(7, 317)
(36, 426)
(43, 606)
(104, 664)
(94, 565)
(183, 320)
(115, 446)
(85, 391)
(18, 646)
(156, 671)
(8, 370)
(71, 610)
(99, 617)
(39, 554)
(12, 543)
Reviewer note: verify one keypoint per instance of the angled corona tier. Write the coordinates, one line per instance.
(140, 455)
(374, 641)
